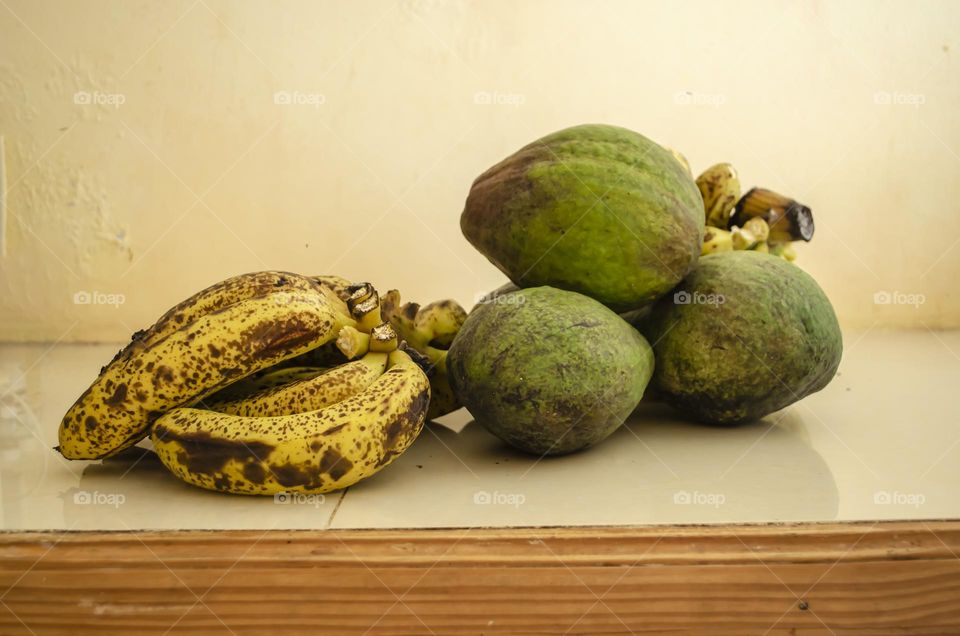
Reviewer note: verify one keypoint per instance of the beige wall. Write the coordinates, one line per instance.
(198, 174)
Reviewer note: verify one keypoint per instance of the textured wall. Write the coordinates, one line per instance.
(147, 152)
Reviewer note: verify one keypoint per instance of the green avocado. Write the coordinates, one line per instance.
(744, 335)
(595, 209)
(548, 371)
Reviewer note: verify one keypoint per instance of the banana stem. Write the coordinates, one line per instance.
(383, 338)
(352, 342)
(367, 314)
(364, 305)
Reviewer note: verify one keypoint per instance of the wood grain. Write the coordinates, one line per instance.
(886, 578)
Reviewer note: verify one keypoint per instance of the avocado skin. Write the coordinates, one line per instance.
(596, 209)
(548, 371)
(773, 341)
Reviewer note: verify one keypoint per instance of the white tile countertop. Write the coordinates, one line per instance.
(882, 442)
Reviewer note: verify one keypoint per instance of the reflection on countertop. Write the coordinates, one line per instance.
(881, 442)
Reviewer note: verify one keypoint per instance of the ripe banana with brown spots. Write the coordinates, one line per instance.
(219, 296)
(313, 452)
(262, 380)
(340, 286)
(312, 393)
(719, 186)
(203, 356)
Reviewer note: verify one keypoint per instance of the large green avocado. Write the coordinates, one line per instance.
(595, 209)
(744, 335)
(548, 371)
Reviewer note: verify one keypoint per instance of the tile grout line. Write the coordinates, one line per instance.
(336, 508)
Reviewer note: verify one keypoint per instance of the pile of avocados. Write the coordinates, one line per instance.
(600, 231)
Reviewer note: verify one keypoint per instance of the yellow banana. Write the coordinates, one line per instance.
(262, 380)
(340, 286)
(442, 399)
(312, 452)
(428, 330)
(192, 362)
(307, 394)
(441, 320)
(213, 298)
(326, 355)
(758, 227)
(720, 188)
(716, 240)
(785, 251)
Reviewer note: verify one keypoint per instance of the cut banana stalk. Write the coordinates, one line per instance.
(383, 338)
(788, 220)
(364, 306)
(758, 227)
(352, 342)
(743, 239)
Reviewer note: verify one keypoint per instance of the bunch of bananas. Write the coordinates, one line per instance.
(269, 382)
(430, 330)
(760, 220)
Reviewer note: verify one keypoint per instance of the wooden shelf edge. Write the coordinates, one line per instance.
(864, 578)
